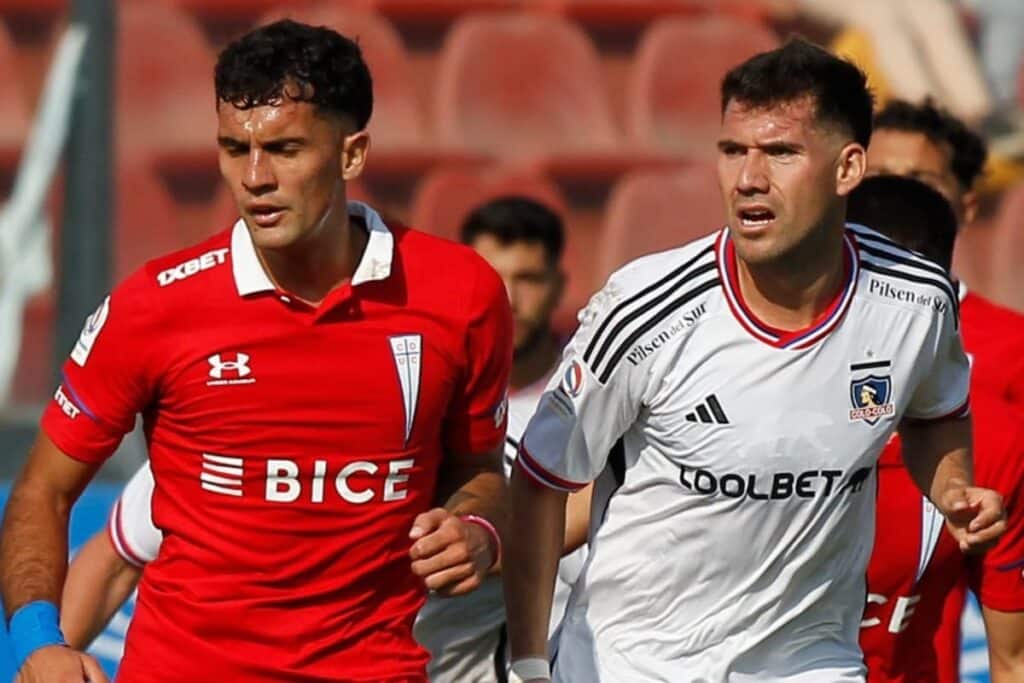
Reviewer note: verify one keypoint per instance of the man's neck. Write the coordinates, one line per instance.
(327, 258)
(535, 362)
(792, 293)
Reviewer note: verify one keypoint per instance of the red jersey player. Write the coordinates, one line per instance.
(311, 381)
(924, 142)
(917, 570)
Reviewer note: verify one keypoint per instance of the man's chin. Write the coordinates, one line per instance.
(277, 237)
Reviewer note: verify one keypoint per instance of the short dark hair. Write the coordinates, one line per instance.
(517, 219)
(327, 67)
(801, 69)
(942, 128)
(908, 212)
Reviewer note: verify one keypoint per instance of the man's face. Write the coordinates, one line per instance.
(782, 175)
(912, 154)
(534, 285)
(284, 165)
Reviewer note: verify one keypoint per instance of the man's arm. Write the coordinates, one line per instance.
(34, 550)
(454, 547)
(577, 519)
(99, 581)
(1005, 634)
(535, 539)
(937, 454)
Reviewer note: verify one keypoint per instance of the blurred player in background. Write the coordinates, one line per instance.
(924, 142)
(714, 393)
(324, 402)
(523, 241)
(910, 632)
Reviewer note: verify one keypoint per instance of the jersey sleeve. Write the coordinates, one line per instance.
(593, 398)
(108, 377)
(942, 390)
(132, 532)
(477, 416)
(997, 577)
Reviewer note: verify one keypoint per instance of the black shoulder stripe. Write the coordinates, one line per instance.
(908, 260)
(658, 317)
(640, 310)
(640, 295)
(944, 287)
(878, 238)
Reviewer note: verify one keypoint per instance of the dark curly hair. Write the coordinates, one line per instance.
(942, 128)
(802, 69)
(303, 63)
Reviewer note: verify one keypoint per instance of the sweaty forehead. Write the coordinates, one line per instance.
(264, 121)
(784, 120)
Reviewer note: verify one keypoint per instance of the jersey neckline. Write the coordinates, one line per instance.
(827, 320)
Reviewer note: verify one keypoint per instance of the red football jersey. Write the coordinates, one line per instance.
(291, 447)
(916, 573)
(994, 338)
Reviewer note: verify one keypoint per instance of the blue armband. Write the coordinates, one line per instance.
(34, 626)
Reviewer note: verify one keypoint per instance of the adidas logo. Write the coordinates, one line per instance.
(709, 412)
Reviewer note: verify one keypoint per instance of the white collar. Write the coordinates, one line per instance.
(250, 277)
(962, 290)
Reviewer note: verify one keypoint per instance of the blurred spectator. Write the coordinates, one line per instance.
(1001, 42)
(921, 48)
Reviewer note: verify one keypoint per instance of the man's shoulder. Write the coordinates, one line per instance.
(993, 315)
(648, 305)
(675, 266)
(893, 274)
(437, 269)
(163, 273)
(442, 256)
(153, 285)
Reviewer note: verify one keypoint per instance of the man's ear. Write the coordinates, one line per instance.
(850, 168)
(354, 151)
(969, 205)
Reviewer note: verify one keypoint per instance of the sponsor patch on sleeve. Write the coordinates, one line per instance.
(93, 324)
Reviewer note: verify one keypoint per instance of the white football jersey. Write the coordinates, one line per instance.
(734, 507)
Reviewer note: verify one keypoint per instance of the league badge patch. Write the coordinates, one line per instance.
(572, 380)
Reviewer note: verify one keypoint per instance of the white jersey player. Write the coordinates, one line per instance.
(716, 536)
(734, 449)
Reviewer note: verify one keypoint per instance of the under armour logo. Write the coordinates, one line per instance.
(224, 367)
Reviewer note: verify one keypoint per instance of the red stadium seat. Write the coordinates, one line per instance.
(639, 12)
(14, 111)
(654, 211)
(434, 10)
(165, 96)
(233, 9)
(673, 95)
(396, 122)
(446, 197)
(625, 11)
(523, 86)
(148, 223)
